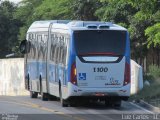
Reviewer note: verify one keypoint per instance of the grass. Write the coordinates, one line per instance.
(148, 93)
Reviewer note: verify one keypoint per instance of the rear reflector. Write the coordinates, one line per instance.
(73, 74)
(127, 74)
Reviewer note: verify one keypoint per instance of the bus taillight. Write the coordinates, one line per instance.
(73, 74)
(127, 74)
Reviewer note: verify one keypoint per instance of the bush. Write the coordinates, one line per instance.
(153, 74)
(147, 93)
(153, 91)
(149, 78)
(154, 71)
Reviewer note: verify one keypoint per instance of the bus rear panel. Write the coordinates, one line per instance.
(101, 67)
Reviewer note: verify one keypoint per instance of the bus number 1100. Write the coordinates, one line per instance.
(100, 69)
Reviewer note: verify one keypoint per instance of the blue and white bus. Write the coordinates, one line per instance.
(77, 60)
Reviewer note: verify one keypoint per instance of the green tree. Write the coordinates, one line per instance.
(9, 29)
(52, 10)
(117, 11)
(153, 34)
(139, 22)
(85, 9)
(25, 13)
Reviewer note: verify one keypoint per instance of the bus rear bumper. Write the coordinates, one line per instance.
(122, 92)
(79, 98)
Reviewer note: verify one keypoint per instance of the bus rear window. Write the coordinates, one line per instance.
(100, 41)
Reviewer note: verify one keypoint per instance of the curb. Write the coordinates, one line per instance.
(148, 106)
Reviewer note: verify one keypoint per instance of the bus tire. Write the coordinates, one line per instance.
(117, 103)
(52, 98)
(28, 84)
(44, 96)
(74, 102)
(62, 101)
(108, 103)
(33, 94)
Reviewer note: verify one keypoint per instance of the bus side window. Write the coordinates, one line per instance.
(34, 43)
(65, 53)
(39, 46)
(52, 47)
(61, 49)
(45, 46)
(51, 53)
(32, 49)
(29, 35)
(56, 48)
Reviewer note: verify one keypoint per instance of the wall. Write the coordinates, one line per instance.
(136, 77)
(12, 77)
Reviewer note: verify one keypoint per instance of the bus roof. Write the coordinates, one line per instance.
(73, 25)
(44, 25)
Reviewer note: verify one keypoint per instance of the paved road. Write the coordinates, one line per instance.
(25, 108)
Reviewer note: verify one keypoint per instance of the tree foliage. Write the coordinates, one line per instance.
(9, 29)
(49, 10)
(25, 13)
(153, 34)
(116, 11)
(85, 9)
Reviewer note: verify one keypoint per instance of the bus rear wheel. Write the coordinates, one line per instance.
(63, 102)
(113, 103)
(33, 94)
(117, 103)
(108, 103)
(44, 96)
